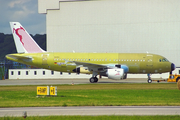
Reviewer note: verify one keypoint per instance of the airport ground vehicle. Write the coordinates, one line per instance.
(173, 78)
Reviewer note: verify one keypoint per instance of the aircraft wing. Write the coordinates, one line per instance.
(99, 67)
(91, 66)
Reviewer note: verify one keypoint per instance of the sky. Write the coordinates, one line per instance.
(23, 11)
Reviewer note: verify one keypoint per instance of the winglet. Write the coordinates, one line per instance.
(23, 41)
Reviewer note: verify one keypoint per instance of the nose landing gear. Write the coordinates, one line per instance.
(149, 78)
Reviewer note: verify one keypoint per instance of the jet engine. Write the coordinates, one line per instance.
(116, 73)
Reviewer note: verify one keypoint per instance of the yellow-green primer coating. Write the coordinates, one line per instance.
(137, 62)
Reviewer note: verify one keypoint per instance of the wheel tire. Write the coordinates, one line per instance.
(177, 79)
(149, 81)
(96, 79)
(92, 80)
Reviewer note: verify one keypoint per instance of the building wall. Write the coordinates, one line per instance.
(41, 74)
(47, 74)
(125, 26)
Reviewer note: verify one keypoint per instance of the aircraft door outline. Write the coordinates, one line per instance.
(45, 59)
(149, 60)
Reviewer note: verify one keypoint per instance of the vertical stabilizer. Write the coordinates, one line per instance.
(23, 41)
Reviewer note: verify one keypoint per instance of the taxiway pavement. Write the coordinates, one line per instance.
(102, 110)
(66, 81)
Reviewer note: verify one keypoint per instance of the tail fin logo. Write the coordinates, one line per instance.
(17, 33)
(118, 73)
(24, 42)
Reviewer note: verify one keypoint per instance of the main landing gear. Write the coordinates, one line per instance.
(149, 78)
(94, 78)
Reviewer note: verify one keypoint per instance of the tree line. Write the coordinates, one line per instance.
(7, 45)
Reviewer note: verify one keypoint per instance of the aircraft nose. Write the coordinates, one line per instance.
(173, 67)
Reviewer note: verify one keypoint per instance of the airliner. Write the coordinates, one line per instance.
(112, 65)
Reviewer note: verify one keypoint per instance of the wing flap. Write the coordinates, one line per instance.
(90, 66)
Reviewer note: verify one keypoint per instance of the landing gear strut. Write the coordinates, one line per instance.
(149, 78)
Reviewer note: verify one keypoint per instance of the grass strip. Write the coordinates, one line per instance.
(93, 95)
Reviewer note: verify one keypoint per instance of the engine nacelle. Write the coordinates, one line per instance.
(116, 73)
(125, 67)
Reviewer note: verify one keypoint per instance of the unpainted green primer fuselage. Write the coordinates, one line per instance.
(136, 62)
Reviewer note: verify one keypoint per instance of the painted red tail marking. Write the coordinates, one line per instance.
(17, 33)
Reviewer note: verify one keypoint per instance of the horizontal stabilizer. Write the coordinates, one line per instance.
(18, 57)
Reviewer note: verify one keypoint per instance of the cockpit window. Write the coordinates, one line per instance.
(163, 60)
